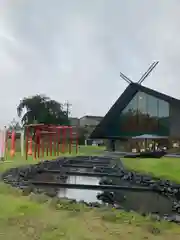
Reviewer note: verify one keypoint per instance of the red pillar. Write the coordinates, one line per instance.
(47, 146)
(42, 145)
(63, 139)
(30, 146)
(50, 144)
(13, 138)
(27, 136)
(59, 139)
(77, 140)
(55, 139)
(70, 139)
(37, 140)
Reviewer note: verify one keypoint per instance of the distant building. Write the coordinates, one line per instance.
(89, 123)
(74, 121)
(85, 125)
(90, 120)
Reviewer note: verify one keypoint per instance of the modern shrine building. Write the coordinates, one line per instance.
(140, 110)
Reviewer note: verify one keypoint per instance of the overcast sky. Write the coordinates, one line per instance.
(74, 50)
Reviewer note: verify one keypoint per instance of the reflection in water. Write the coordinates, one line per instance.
(145, 202)
(80, 194)
(142, 201)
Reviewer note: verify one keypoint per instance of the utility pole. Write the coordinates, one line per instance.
(67, 105)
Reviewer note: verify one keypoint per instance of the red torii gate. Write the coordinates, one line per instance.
(60, 136)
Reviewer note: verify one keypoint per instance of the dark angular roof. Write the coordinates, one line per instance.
(122, 102)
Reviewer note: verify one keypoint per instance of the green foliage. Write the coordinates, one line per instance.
(41, 109)
(82, 132)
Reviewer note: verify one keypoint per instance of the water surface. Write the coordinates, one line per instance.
(80, 194)
(146, 202)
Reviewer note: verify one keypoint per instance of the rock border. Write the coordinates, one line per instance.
(18, 177)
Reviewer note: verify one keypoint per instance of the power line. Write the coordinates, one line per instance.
(67, 105)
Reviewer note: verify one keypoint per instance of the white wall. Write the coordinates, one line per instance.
(88, 121)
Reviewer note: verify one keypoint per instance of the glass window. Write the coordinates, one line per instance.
(152, 106)
(142, 102)
(131, 108)
(163, 109)
(144, 114)
(163, 117)
(129, 117)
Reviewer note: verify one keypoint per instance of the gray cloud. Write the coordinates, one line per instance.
(74, 50)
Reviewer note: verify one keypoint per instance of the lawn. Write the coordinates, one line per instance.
(166, 168)
(37, 217)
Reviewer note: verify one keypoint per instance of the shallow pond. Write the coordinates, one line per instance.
(130, 200)
(80, 194)
(144, 202)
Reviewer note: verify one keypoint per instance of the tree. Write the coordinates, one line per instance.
(41, 109)
(82, 133)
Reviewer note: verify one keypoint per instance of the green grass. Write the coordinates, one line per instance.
(82, 149)
(38, 217)
(166, 168)
(19, 160)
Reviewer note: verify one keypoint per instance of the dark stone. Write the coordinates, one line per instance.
(51, 193)
(72, 201)
(26, 191)
(19, 177)
(175, 218)
(106, 181)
